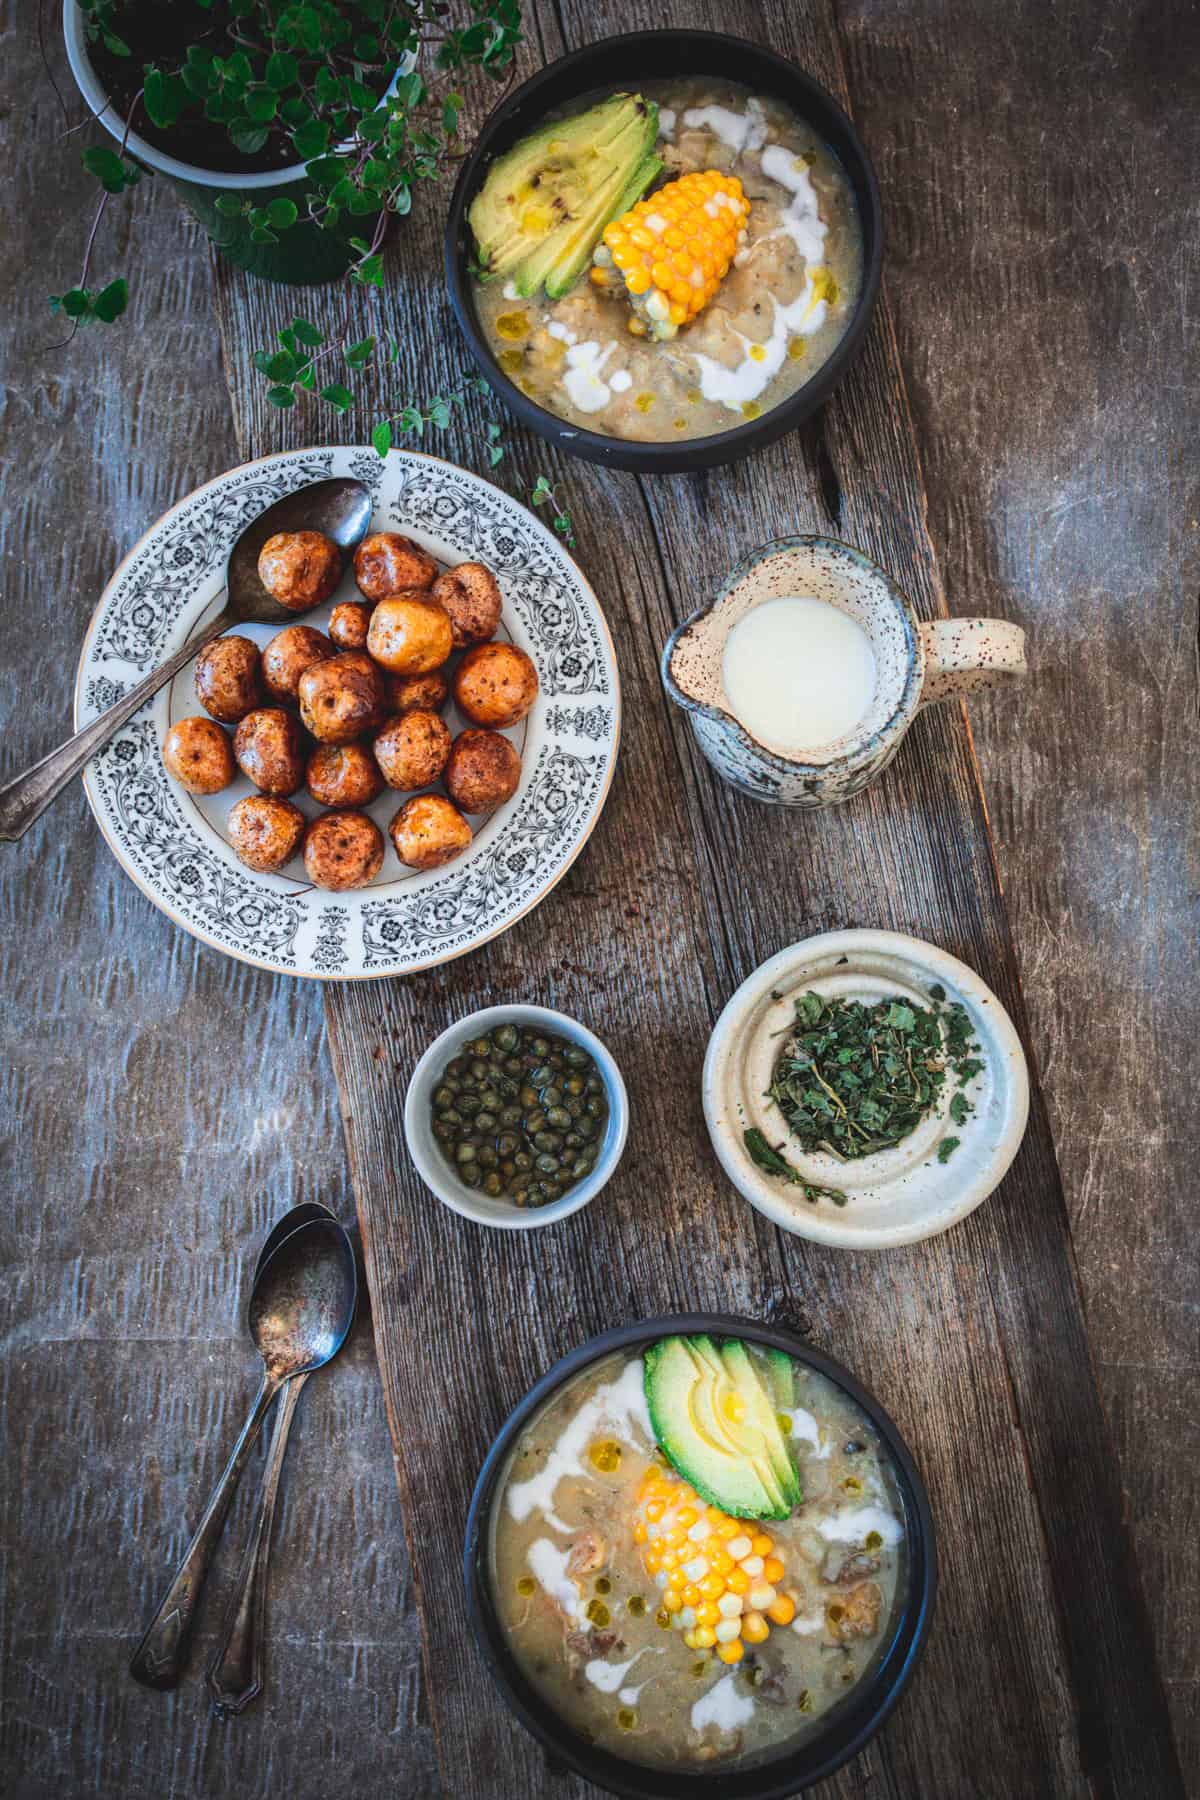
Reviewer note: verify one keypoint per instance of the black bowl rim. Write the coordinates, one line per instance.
(768, 1781)
(693, 453)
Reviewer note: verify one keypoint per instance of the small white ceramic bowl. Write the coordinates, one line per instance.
(897, 1196)
(436, 1172)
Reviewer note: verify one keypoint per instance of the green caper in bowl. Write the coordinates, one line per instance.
(520, 1114)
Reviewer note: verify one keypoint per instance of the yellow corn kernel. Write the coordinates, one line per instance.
(713, 1586)
(761, 1544)
(669, 1559)
(655, 1510)
(728, 1529)
(686, 1517)
(676, 1536)
(772, 1569)
(672, 1600)
(705, 1637)
(732, 1652)
(739, 1547)
(781, 1610)
(689, 1638)
(636, 326)
(755, 1629)
(639, 1533)
(708, 1613)
(739, 1583)
(652, 1560)
(727, 1630)
(722, 1562)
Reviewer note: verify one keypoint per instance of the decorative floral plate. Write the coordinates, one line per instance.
(174, 844)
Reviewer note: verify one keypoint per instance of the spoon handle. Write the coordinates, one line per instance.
(158, 1660)
(26, 797)
(235, 1675)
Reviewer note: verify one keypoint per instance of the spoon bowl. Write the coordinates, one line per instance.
(339, 506)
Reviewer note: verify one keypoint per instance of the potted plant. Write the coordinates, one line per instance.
(293, 129)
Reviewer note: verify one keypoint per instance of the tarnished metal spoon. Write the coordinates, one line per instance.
(300, 1311)
(235, 1674)
(340, 507)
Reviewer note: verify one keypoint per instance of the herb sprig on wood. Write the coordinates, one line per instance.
(853, 1079)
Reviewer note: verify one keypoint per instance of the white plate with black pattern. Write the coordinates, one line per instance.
(173, 844)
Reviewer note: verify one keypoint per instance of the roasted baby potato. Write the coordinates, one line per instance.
(409, 635)
(265, 831)
(429, 830)
(342, 850)
(412, 750)
(197, 753)
(348, 624)
(495, 684)
(343, 775)
(343, 698)
(299, 569)
(470, 595)
(483, 772)
(227, 678)
(289, 653)
(268, 746)
(410, 693)
(385, 564)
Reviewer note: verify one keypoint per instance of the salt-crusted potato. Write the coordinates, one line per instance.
(227, 678)
(483, 772)
(413, 750)
(343, 775)
(470, 595)
(409, 635)
(299, 569)
(348, 624)
(265, 831)
(413, 693)
(197, 753)
(289, 653)
(429, 830)
(495, 685)
(385, 564)
(343, 698)
(342, 850)
(268, 746)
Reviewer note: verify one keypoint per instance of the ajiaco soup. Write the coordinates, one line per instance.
(668, 264)
(695, 1554)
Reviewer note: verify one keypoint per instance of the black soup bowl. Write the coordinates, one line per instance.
(625, 63)
(844, 1730)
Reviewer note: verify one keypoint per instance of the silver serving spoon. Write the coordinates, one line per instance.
(301, 1308)
(340, 507)
(235, 1674)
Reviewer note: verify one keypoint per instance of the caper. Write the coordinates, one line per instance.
(470, 1176)
(480, 1046)
(582, 1166)
(576, 1057)
(452, 1117)
(479, 1070)
(523, 1159)
(443, 1131)
(514, 1066)
(535, 1122)
(443, 1098)
(572, 1141)
(492, 1184)
(506, 1038)
(574, 1084)
(558, 1118)
(484, 1120)
(508, 1168)
(575, 1107)
(466, 1152)
(487, 1157)
(594, 1084)
(528, 1098)
(540, 1047)
(587, 1128)
(508, 1143)
(542, 1076)
(456, 1070)
(510, 1115)
(545, 1164)
(534, 1194)
(547, 1140)
(552, 1096)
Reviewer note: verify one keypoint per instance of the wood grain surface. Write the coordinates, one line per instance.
(1040, 292)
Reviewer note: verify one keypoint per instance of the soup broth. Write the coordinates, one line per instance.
(775, 319)
(589, 1623)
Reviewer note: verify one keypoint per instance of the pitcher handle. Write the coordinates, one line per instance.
(965, 656)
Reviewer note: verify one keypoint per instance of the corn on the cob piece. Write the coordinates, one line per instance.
(697, 1555)
(673, 249)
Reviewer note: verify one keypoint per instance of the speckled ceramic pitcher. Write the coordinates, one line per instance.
(917, 664)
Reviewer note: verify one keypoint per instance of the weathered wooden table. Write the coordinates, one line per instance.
(1014, 441)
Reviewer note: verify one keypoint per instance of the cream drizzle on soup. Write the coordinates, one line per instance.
(776, 318)
(584, 1618)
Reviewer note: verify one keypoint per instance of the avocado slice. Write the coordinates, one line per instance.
(760, 1414)
(552, 194)
(742, 1425)
(781, 1379)
(681, 1394)
(573, 258)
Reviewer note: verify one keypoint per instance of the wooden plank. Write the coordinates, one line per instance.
(995, 1387)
